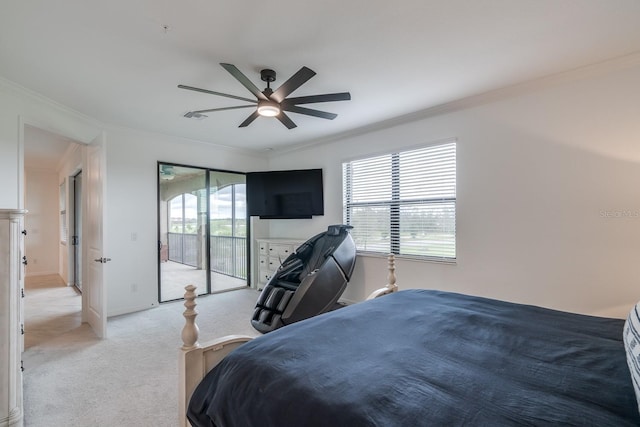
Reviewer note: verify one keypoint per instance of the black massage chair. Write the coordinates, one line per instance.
(309, 281)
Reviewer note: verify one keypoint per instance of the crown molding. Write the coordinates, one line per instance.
(12, 87)
(506, 92)
(19, 90)
(177, 139)
(594, 69)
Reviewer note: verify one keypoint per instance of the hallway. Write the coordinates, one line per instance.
(51, 308)
(130, 379)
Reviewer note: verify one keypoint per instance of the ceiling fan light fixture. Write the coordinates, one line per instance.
(268, 108)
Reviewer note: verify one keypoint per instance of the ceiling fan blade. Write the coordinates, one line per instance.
(285, 120)
(309, 112)
(249, 119)
(294, 82)
(312, 99)
(233, 70)
(224, 108)
(217, 93)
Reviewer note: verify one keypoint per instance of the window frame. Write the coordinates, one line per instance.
(395, 203)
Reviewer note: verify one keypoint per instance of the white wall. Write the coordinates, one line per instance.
(545, 173)
(131, 203)
(543, 179)
(132, 207)
(42, 221)
(19, 106)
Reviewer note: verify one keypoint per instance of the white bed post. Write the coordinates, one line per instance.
(391, 285)
(188, 378)
(391, 277)
(197, 359)
(190, 331)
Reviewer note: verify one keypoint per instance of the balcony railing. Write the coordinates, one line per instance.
(228, 254)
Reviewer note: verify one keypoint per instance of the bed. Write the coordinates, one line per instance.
(415, 357)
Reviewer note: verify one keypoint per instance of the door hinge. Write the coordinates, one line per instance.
(22, 329)
(24, 232)
(22, 365)
(22, 292)
(74, 240)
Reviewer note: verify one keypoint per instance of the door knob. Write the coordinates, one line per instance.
(102, 260)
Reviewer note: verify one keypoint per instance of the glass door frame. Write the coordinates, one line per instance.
(207, 255)
(76, 235)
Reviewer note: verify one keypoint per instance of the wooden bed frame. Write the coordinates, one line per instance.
(197, 359)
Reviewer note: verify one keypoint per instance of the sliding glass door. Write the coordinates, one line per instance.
(202, 230)
(228, 225)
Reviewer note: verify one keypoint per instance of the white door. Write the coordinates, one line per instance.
(94, 301)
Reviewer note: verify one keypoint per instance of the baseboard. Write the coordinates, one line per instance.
(42, 273)
(130, 310)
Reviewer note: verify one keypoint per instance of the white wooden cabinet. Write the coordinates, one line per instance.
(269, 255)
(11, 329)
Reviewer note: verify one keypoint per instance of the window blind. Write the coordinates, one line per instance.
(403, 202)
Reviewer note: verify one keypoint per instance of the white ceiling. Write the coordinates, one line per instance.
(113, 60)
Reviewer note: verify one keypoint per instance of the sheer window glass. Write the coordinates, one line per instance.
(176, 224)
(183, 216)
(403, 202)
(229, 211)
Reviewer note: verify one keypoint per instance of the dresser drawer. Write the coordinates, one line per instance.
(280, 251)
(269, 255)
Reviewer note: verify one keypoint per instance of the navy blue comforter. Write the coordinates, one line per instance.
(425, 358)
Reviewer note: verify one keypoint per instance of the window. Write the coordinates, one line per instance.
(228, 211)
(183, 216)
(404, 202)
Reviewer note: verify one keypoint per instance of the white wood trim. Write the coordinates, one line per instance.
(195, 360)
(11, 316)
(43, 273)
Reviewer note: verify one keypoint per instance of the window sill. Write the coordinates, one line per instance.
(409, 258)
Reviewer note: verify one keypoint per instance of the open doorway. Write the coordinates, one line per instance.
(51, 306)
(202, 230)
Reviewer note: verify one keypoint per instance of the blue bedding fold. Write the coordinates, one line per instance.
(425, 358)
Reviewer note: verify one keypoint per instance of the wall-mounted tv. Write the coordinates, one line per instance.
(285, 194)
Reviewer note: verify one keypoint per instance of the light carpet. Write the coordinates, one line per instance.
(130, 378)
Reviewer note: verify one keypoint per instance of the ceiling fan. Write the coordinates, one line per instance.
(272, 103)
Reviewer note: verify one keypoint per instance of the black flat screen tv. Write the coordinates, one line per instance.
(285, 194)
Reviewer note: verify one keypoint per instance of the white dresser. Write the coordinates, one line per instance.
(11, 329)
(269, 255)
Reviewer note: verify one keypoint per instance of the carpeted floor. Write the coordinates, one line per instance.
(129, 379)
